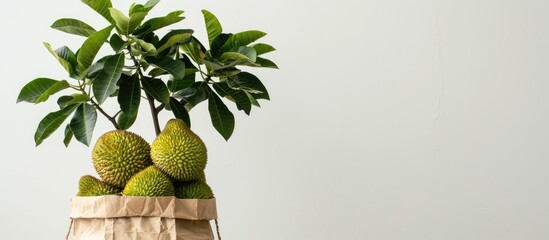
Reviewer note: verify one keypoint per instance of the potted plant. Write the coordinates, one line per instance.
(162, 183)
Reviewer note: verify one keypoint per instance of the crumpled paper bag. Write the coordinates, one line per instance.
(115, 217)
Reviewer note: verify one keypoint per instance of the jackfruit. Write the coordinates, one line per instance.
(179, 152)
(118, 155)
(91, 186)
(193, 190)
(150, 182)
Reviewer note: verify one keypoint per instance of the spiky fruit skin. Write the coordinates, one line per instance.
(150, 182)
(193, 190)
(91, 186)
(179, 152)
(118, 155)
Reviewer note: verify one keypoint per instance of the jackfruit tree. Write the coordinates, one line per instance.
(173, 71)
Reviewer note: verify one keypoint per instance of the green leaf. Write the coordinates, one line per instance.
(115, 94)
(67, 54)
(91, 46)
(101, 7)
(105, 83)
(83, 123)
(64, 101)
(157, 72)
(117, 43)
(179, 111)
(135, 50)
(51, 122)
(39, 89)
(188, 80)
(212, 25)
(64, 62)
(53, 89)
(150, 38)
(242, 39)
(125, 121)
(124, 24)
(249, 52)
(143, 8)
(175, 67)
(249, 83)
(149, 48)
(154, 24)
(262, 48)
(222, 118)
(218, 42)
(150, 4)
(135, 8)
(73, 26)
(68, 135)
(157, 89)
(214, 65)
(174, 39)
(243, 56)
(135, 21)
(194, 49)
(189, 66)
(97, 67)
(252, 99)
(226, 72)
(238, 96)
(231, 59)
(265, 63)
(194, 94)
(129, 96)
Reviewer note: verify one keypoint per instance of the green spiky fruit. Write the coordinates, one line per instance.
(179, 152)
(193, 190)
(150, 182)
(91, 186)
(118, 155)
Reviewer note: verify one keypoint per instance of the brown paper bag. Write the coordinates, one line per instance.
(114, 217)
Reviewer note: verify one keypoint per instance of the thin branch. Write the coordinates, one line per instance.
(82, 89)
(111, 119)
(160, 107)
(116, 114)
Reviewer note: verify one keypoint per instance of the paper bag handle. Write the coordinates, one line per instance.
(217, 229)
(69, 231)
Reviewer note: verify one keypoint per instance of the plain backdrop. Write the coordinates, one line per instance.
(389, 119)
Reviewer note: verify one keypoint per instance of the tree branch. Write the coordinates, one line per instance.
(154, 114)
(154, 111)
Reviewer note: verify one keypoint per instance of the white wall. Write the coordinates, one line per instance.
(389, 119)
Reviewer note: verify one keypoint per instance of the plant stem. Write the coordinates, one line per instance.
(154, 113)
(154, 110)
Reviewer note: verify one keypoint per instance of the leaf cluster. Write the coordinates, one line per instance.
(174, 72)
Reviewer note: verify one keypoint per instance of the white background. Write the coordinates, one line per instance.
(389, 119)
